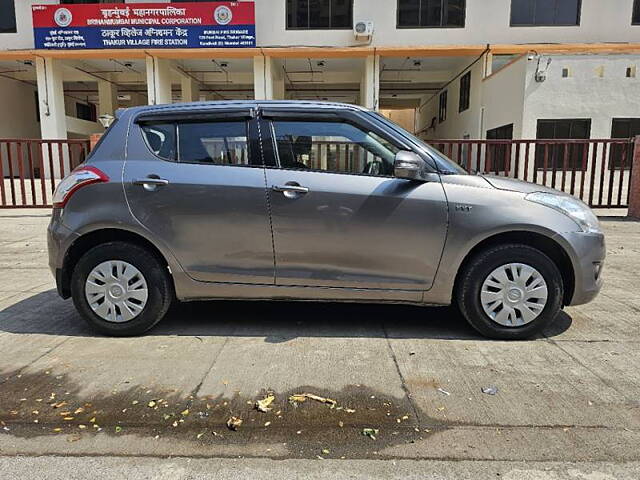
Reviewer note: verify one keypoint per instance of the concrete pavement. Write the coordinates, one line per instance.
(414, 374)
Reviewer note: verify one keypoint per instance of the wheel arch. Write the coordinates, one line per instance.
(97, 237)
(547, 245)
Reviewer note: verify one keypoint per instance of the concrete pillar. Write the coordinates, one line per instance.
(277, 79)
(488, 64)
(634, 186)
(370, 84)
(263, 78)
(107, 98)
(190, 90)
(158, 80)
(53, 119)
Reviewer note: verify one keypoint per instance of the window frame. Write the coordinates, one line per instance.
(327, 116)
(286, 19)
(442, 106)
(616, 149)
(519, 25)
(553, 166)
(498, 152)
(442, 16)
(14, 30)
(243, 115)
(465, 95)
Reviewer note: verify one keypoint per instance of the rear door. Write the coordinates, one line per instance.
(340, 218)
(196, 182)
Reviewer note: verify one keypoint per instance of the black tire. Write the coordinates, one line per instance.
(159, 286)
(476, 271)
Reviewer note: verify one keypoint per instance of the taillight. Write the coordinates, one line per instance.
(80, 177)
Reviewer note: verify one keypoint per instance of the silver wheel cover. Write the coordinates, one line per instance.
(116, 291)
(514, 294)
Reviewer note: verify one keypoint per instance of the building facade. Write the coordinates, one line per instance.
(443, 68)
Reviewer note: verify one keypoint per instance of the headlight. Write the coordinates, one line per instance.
(570, 206)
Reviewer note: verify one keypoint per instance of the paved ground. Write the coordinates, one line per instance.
(567, 404)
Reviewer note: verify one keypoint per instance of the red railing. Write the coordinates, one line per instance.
(596, 171)
(31, 169)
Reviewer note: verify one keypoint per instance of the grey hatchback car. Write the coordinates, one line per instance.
(308, 201)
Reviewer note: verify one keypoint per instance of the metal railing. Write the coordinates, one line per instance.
(31, 169)
(597, 171)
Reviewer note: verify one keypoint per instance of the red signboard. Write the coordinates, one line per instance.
(145, 25)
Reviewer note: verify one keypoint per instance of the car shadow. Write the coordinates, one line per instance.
(278, 321)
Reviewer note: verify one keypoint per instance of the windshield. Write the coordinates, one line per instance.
(445, 164)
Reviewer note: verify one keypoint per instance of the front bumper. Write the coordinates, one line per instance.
(587, 252)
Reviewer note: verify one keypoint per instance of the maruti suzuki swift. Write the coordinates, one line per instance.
(287, 200)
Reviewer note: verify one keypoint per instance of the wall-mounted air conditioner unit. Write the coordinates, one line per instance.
(363, 28)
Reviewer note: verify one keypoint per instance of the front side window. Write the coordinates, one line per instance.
(333, 147)
(8, 17)
(636, 13)
(545, 12)
(431, 13)
(217, 143)
(319, 14)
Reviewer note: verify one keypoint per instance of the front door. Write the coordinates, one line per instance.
(196, 182)
(340, 218)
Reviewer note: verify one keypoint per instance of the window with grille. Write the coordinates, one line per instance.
(319, 14)
(545, 12)
(431, 13)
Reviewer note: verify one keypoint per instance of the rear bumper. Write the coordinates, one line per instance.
(59, 238)
(587, 252)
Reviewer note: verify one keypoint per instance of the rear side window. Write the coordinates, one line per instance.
(205, 142)
(161, 139)
(218, 143)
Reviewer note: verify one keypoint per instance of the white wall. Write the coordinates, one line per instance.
(583, 94)
(19, 119)
(457, 124)
(487, 21)
(82, 128)
(503, 98)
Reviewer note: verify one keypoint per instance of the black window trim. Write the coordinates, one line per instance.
(521, 25)
(287, 27)
(420, 27)
(196, 117)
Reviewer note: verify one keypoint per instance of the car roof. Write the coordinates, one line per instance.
(285, 104)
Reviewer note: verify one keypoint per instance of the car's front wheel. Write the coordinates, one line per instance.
(510, 291)
(121, 289)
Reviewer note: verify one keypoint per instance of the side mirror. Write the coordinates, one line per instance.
(410, 166)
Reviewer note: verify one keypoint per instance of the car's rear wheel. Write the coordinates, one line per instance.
(510, 292)
(121, 289)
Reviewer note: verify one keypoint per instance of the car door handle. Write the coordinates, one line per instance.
(155, 182)
(290, 189)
